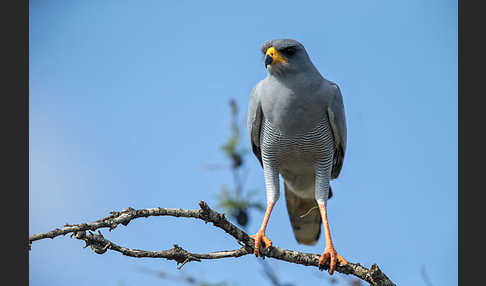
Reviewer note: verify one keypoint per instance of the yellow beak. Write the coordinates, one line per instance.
(273, 57)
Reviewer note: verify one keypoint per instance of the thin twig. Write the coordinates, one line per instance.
(100, 245)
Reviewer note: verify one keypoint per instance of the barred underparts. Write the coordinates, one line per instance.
(304, 160)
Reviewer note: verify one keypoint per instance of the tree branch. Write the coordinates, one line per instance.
(100, 245)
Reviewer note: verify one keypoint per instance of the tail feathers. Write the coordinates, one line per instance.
(305, 221)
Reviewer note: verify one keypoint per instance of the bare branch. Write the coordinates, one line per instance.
(100, 245)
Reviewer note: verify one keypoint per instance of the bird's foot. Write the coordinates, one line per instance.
(260, 237)
(331, 254)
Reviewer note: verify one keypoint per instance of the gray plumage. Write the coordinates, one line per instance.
(297, 127)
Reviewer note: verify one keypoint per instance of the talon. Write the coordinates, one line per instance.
(331, 254)
(341, 260)
(324, 258)
(260, 238)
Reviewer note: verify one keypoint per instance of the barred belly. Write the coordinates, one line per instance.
(300, 158)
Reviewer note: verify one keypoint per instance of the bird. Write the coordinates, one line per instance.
(297, 128)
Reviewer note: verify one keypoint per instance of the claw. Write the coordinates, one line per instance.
(331, 254)
(341, 260)
(260, 237)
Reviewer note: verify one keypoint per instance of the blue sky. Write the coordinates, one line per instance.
(129, 103)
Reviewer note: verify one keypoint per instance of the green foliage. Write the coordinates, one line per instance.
(230, 147)
(230, 202)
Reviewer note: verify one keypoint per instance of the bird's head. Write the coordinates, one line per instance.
(284, 56)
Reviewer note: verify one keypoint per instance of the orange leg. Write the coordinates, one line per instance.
(329, 251)
(260, 235)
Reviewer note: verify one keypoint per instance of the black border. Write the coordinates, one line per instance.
(471, 143)
(14, 228)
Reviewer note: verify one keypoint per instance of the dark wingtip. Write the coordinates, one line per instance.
(258, 153)
(330, 193)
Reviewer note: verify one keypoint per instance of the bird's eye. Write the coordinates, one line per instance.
(289, 51)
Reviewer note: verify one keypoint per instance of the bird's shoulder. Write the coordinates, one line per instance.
(329, 89)
(256, 90)
(254, 113)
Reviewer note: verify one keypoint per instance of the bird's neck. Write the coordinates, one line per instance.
(298, 80)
